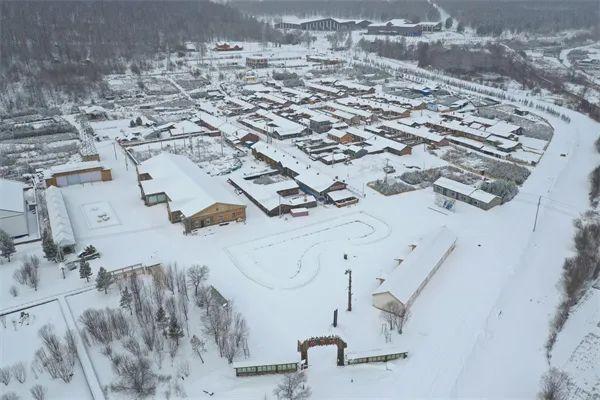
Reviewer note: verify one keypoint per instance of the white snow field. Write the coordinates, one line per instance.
(477, 330)
(293, 258)
(488, 305)
(19, 343)
(99, 215)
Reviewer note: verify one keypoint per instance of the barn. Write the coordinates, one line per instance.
(192, 197)
(60, 222)
(402, 286)
(76, 173)
(13, 216)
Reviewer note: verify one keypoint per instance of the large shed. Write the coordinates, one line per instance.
(404, 283)
(60, 223)
(13, 217)
(76, 173)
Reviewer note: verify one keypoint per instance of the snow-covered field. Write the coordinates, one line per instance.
(19, 344)
(293, 258)
(477, 329)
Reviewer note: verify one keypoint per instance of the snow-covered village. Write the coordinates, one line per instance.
(288, 199)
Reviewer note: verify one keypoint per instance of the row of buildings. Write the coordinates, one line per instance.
(392, 27)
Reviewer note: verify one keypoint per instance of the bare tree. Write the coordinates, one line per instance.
(19, 372)
(393, 314)
(293, 387)
(135, 375)
(197, 274)
(198, 346)
(554, 385)
(38, 392)
(5, 375)
(56, 357)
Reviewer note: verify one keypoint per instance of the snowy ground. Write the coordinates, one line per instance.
(477, 329)
(19, 344)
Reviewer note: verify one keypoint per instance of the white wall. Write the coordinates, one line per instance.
(13, 223)
(381, 299)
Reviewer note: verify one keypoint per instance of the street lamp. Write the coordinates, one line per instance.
(349, 273)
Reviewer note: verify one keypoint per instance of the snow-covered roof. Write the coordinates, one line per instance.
(230, 131)
(420, 132)
(351, 110)
(371, 104)
(465, 190)
(286, 160)
(319, 182)
(267, 194)
(283, 126)
(189, 189)
(60, 223)
(337, 133)
(503, 129)
(74, 166)
(337, 195)
(184, 127)
(406, 280)
(12, 196)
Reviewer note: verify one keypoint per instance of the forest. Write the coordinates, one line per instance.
(377, 10)
(538, 16)
(71, 44)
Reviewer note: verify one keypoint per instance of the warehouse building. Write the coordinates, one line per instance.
(60, 222)
(404, 284)
(324, 24)
(192, 197)
(13, 213)
(395, 27)
(76, 173)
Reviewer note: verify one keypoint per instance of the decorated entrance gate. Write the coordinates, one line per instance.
(322, 341)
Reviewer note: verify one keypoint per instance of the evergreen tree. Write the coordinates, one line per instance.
(175, 330)
(84, 270)
(161, 317)
(138, 121)
(7, 245)
(126, 300)
(132, 124)
(448, 22)
(50, 248)
(103, 280)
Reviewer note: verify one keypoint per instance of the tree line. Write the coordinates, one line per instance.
(377, 10)
(542, 16)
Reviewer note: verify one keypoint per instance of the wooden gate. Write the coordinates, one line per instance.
(322, 341)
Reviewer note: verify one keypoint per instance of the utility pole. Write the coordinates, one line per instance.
(537, 212)
(349, 273)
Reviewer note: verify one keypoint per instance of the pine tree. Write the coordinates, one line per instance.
(126, 299)
(7, 246)
(84, 270)
(161, 317)
(103, 280)
(50, 248)
(138, 121)
(175, 330)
